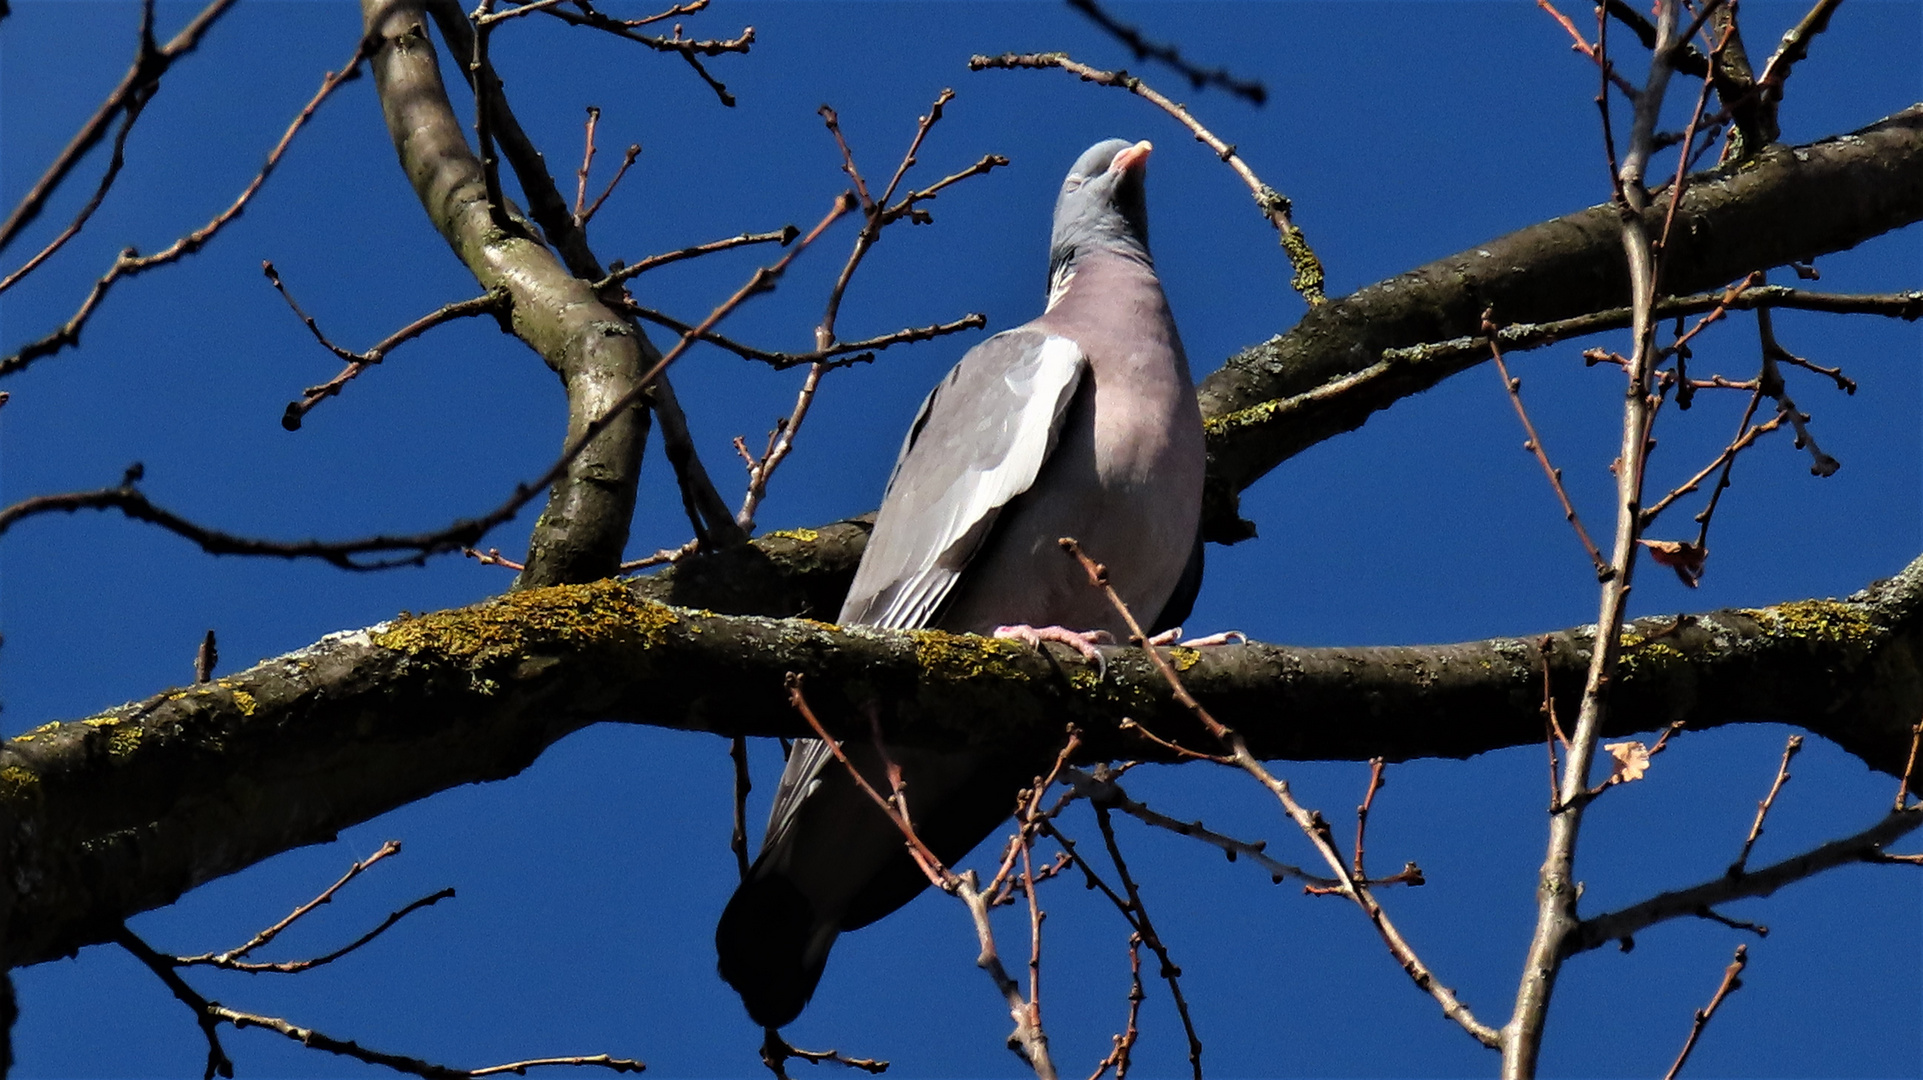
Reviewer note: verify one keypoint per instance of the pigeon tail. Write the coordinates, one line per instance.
(772, 947)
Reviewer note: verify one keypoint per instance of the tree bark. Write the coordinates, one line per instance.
(1328, 375)
(597, 353)
(125, 811)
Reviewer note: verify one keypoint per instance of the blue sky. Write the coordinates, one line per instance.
(588, 885)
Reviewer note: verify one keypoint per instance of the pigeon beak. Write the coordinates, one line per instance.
(1132, 159)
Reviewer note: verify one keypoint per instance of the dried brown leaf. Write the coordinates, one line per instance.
(1628, 761)
(1679, 555)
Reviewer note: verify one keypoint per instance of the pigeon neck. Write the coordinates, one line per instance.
(1109, 264)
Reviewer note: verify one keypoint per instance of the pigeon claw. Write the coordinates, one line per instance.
(1082, 641)
(1173, 636)
(1226, 637)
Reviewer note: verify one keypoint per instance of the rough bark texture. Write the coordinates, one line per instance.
(125, 811)
(597, 353)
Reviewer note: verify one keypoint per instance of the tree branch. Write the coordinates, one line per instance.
(140, 83)
(1329, 374)
(114, 811)
(597, 353)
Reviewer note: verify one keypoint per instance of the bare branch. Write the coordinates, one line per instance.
(1790, 749)
(130, 264)
(497, 302)
(1865, 846)
(1534, 446)
(390, 848)
(1273, 204)
(1311, 823)
(114, 164)
(1732, 982)
(1249, 90)
(581, 13)
(783, 236)
(137, 85)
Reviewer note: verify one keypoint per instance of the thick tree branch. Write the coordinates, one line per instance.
(126, 811)
(1328, 374)
(714, 523)
(597, 353)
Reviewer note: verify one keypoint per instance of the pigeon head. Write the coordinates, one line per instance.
(1103, 207)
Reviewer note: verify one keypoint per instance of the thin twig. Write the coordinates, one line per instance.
(1821, 464)
(1790, 749)
(581, 13)
(1102, 787)
(688, 8)
(1362, 813)
(628, 158)
(1909, 769)
(390, 848)
(1124, 1043)
(1249, 90)
(129, 263)
(1864, 846)
(1593, 52)
(493, 557)
(291, 967)
(1745, 437)
(218, 1063)
(1522, 336)
(134, 106)
(477, 67)
(875, 217)
(909, 205)
(1311, 823)
(1732, 982)
(587, 151)
(1028, 1040)
(497, 302)
(138, 84)
(841, 354)
(1712, 915)
(1534, 445)
(1275, 206)
(422, 546)
(1138, 915)
(783, 236)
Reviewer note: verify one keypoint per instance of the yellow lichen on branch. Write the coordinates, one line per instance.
(501, 628)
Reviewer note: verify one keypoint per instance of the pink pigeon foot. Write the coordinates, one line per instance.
(1083, 642)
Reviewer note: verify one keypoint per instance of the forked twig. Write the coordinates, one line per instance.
(497, 302)
(129, 263)
(151, 61)
(1027, 1040)
(1311, 823)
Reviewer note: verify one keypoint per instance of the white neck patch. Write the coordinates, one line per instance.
(1059, 287)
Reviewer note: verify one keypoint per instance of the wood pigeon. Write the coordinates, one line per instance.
(1080, 423)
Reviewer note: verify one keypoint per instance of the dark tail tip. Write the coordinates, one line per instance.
(763, 944)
